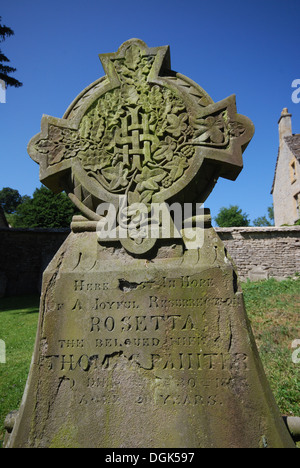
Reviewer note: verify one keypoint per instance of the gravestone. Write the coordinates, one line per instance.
(143, 338)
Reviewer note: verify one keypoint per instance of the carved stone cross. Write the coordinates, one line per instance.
(142, 131)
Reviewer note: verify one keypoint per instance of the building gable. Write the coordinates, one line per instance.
(286, 183)
(293, 143)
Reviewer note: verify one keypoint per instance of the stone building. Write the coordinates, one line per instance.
(286, 184)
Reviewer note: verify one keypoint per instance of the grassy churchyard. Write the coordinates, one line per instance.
(273, 308)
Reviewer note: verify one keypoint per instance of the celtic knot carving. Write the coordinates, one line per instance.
(137, 136)
(143, 131)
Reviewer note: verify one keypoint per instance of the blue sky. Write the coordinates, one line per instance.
(247, 48)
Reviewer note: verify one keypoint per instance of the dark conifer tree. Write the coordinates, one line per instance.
(6, 70)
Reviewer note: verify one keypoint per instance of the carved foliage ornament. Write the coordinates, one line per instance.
(142, 131)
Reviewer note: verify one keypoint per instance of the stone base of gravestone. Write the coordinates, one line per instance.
(145, 352)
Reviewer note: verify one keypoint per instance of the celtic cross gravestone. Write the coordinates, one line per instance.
(143, 339)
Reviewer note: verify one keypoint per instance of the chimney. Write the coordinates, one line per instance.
(285, 125)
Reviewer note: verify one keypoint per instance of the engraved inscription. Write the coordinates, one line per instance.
(159, 326)
(176, 361)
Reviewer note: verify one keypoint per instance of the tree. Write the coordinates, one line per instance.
(10, 199)
(271, 213)
(232, 217)
(263, 220)
(5, 70)
(45, 210)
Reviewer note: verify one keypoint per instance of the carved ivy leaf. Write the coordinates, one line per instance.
(60, 144)
(128, 80)
(102, 108)
(163, 153)
(166, 151)
(55, 133)
(149, 179)
(178, 107)
(44, 146)
(236, 129)
(199, 130)
(57, 154)
(146, 196)
(93, 160)
(130, 94)
(177, 124)
(133, 57)
(85, 127)
(177, 167)
(98, 130)
(213, 127)
(109, 173)
(156, 97)
(216, 135)
(147, 107)
(150, 184)
(116, 175)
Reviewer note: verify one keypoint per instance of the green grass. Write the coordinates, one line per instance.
(273, 308)
(18, 325)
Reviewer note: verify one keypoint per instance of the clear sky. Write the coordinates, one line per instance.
(247, 48)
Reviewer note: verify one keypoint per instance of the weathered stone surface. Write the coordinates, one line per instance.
(145, 353)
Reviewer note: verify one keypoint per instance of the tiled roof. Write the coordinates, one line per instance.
(275, 173)
(293, 143)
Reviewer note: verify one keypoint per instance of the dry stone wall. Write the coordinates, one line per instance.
(263, 252)
(24, 255)
(258, 253)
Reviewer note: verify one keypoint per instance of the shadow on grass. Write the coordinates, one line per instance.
(21, 304)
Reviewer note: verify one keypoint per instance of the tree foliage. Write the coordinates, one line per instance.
(271, 213)
(5, 69)
(43, 210)
(10, 199)
(263, 220)
(232, 217)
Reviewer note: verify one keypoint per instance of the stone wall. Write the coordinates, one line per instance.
(258, 253)
(263, 252)
(24, 254)
(3, 221)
